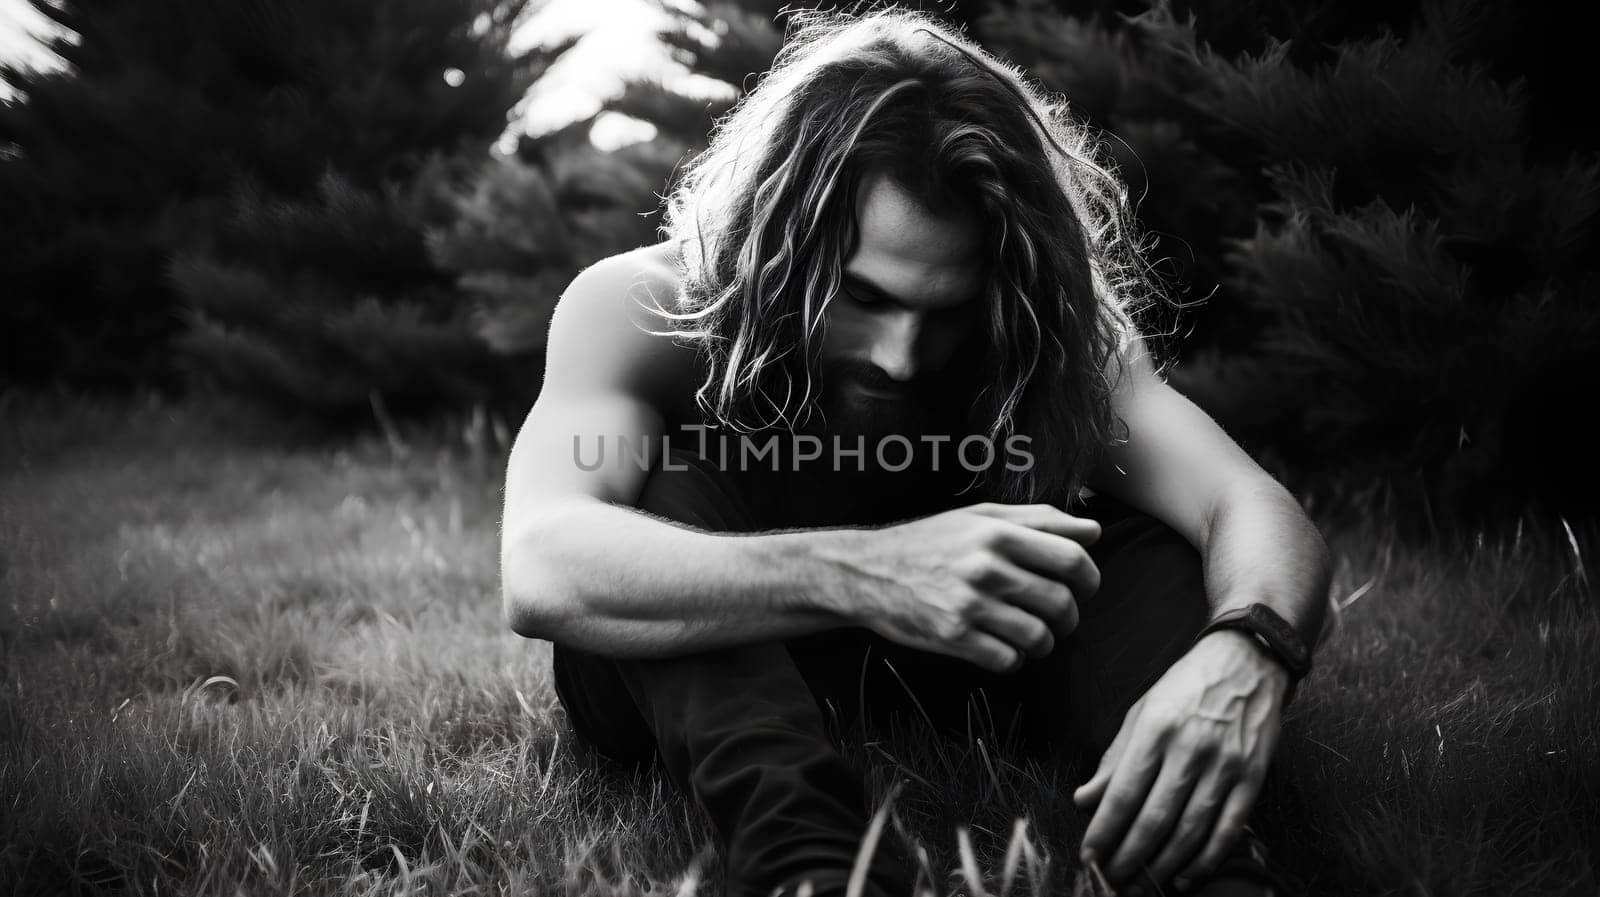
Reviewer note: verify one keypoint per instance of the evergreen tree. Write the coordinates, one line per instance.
(536, 218)
(1401, 244)
(227, 144)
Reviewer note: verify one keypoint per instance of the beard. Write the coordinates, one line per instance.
(858, 402)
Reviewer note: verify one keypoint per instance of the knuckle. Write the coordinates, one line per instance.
(969, 608)
(1091, 574)
(1040, 641)
(1069, 609)
(958, 601)
(1159, 725)
(970, 566)
(994, 575)
(951, 628)
(982, 567)
(1080, 568)
(1038, 630)
(1003, 659)
(1074, 555)
(994, 534)
(978, 521)
(1187, 741)
(1199, 742)
(1060, 597)
(970, 652)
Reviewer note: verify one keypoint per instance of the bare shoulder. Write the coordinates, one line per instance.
(623, 287)
(605, 335)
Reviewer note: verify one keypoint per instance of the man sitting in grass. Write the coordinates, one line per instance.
(872, 433)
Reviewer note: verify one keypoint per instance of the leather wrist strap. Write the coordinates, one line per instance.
(1273, 634)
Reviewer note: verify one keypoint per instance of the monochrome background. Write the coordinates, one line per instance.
(275, 277)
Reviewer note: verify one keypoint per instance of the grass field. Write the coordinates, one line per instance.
(238, 667)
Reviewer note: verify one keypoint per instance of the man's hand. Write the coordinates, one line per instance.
(1176, 785)
(989, 583)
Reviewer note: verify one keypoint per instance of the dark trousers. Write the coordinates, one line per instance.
(743, 730)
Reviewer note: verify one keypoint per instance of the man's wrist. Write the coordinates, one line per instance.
(1273, 638)
(812, 565)
(1276, 635)
(1250, 652)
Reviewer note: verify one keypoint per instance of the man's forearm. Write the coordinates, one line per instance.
(616, 581)
(1261, 547)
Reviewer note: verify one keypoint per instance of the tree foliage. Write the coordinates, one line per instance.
(1401, 245)
(536, 218)
(189, 148)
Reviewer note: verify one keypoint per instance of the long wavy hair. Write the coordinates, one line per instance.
(764, 220)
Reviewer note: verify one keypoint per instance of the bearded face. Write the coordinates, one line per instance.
(857, 399)
(896, 353)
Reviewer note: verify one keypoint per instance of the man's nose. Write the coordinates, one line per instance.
(896, 350)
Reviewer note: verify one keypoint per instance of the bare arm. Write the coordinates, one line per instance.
(1179, 466)
(990, 583)
(579, 565)
(1173, 790)
(618, 581)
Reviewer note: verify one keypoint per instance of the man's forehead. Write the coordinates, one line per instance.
(911, 253)
(898, 223)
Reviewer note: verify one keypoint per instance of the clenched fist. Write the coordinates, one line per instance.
(990, 583)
